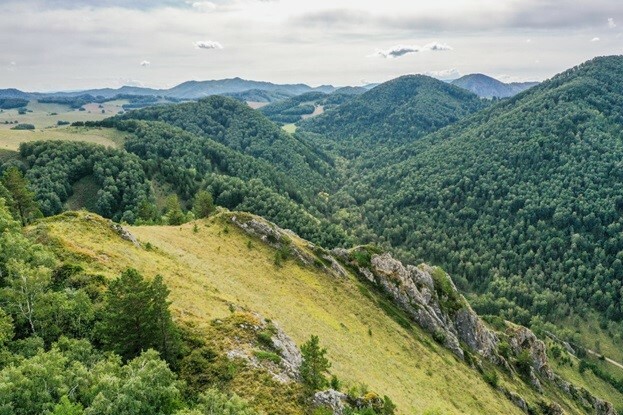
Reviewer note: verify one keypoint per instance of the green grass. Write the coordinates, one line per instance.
(84, 194)
(290, 128)
(209, 270)
(11, 139)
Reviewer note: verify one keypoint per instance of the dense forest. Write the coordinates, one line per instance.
(521, 201)
(293, 109)
(397, 111)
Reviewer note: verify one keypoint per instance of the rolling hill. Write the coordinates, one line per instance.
(487, 87)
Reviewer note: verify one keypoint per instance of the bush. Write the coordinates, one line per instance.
(23, 127)
(491, 377)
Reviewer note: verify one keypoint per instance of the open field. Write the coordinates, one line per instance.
(47, 115)
(11, 139)
(206, 272)
(256, 105)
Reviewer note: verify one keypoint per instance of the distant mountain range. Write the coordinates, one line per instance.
(189, 90)
(487, 87)
(248, 90)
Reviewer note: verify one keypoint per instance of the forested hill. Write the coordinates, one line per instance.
(246, 131)
(523, 199)
(400, 110)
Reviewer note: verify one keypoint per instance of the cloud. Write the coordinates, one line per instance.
(595, 39)
(611, 23)
(444, 74)
(12, 63)
(203, 6)
(145, 63)
(402, 50)
(208, 44)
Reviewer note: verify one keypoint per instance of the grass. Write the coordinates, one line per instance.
(84, 194)
(11, 139)
(209, 270)
(47, 115)
(289, 128)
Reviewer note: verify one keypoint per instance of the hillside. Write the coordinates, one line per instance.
(397, 111)
(521, 200)
(487, 87)
(215, 266)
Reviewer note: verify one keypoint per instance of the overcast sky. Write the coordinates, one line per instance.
(75, 44)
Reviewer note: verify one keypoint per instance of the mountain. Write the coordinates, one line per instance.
(522, 200)
(486, 87)
(190, 90)
(13, 93)
(397, 111)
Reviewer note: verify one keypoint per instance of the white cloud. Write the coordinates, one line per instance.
(402, 50)
(595, 39)
(611, 23)
(12, 63)
(208, 44)
(203, 6)
(145, 63)
(444, 74)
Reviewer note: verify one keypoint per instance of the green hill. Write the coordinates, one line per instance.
(398, 111)
(522, 199)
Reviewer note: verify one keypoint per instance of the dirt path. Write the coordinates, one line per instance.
(612, 362)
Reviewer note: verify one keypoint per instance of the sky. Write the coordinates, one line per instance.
(52, 45)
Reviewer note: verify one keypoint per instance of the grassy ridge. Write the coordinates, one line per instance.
(209, 269)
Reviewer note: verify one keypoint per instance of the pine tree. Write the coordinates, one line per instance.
(204, 204)
(22, 201)
(174, 211)
(315, 365)
(136, 317)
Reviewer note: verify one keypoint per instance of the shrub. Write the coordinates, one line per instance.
(23, 127)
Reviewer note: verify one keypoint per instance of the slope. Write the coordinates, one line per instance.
(216, 265)
(397, 111)
(522, 199)
(487, 87)
(305, 105)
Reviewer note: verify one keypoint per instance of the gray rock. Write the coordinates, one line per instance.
(124, 233)
(331, 399)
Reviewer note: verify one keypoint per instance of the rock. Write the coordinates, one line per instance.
(603, 407)
(331, 399)
(124, 233)
(522, 338)
(291, 358)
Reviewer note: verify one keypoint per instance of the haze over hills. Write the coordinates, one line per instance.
(188, 90)
(487, 87)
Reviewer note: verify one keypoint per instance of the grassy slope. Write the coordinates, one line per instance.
(11, 139)
(209, 269)
(41, 114)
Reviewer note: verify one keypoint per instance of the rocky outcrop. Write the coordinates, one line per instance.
(331, 399)
(273, 340)
(124, 233)
(283, 239)
(522, 338)
(424, 293)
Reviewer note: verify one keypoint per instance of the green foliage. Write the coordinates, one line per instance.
(175, 215)
(270, 356)
(203, 205)
(136, 317)
(21, 200)
(523, 362)
(23, 126)
(213, 402)
(491, 377)
(315, 365)
(54, 166)
(66, 407)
